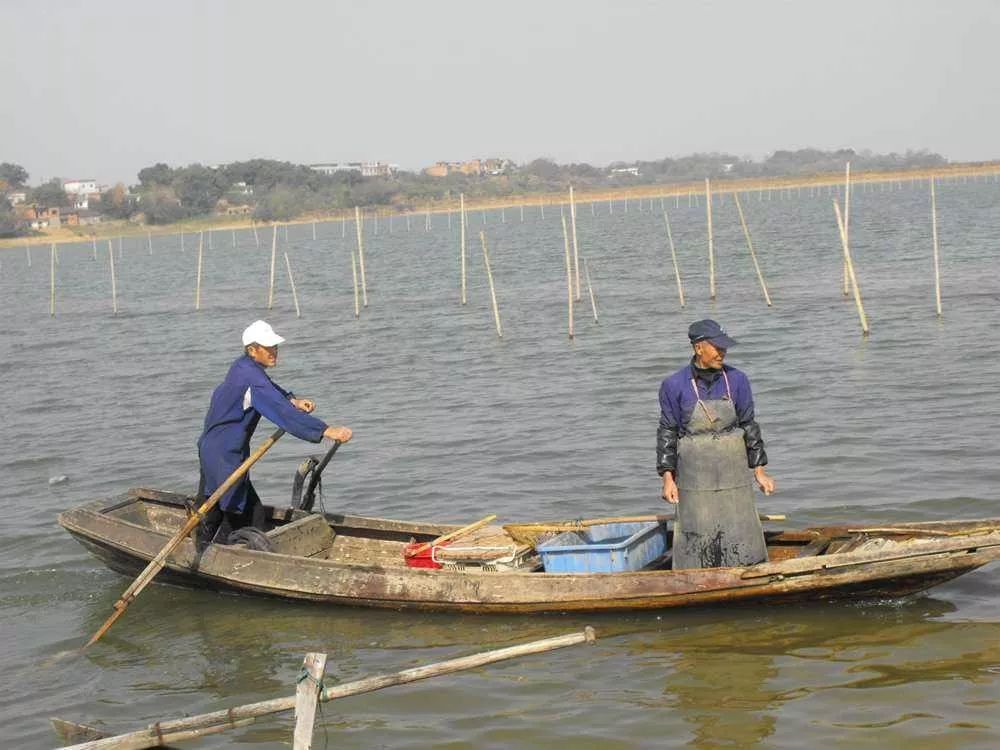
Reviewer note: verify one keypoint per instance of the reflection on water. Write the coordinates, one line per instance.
(451, 424)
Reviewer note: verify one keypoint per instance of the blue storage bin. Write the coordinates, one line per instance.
(607, 548)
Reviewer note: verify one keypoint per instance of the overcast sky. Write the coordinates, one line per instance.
(103, 88)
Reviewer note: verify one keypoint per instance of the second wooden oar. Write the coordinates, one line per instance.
(451, 535)
(157, 563)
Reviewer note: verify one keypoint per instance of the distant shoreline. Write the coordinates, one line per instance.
(110, 229)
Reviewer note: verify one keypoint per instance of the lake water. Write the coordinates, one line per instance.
(452, 423)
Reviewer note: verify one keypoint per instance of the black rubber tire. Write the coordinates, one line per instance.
(253, 538)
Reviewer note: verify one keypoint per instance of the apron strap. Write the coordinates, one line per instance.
(712, 418)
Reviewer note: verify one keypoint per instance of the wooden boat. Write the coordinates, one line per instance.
(355, 560)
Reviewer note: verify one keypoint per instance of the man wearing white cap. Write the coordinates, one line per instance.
(237, 405)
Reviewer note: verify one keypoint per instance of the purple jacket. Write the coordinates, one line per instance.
(678, 401)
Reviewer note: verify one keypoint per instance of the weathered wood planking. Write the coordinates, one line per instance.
(364, 565)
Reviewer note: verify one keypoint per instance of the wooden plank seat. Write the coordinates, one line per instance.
(303, 537)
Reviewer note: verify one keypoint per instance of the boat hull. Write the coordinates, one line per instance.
(127, 547)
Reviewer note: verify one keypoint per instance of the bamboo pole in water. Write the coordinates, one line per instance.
(461, 199)
(291, 280)
(27, 252)
(354, 274)
(489, 277)
(149, 242)
(52, 280)
(590, 291)
(711, 244)
(576, 249)
(256, 237)
(234, 238)
(569, 278)
(197, 288)
(361, 256)
(114, 280)
(934, 235)
(182, 241)
(93, 241)
(753, 255)
(274, 256)
(314, 231)
(850, 270)
(306, 699)
(160, 733)
(211, 234)
(673, 257)
(847, 220)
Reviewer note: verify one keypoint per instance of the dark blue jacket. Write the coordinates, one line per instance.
(678, 401)
(237, 405)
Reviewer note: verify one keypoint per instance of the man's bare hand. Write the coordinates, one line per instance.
(304, 404)
(343, 434)
(766, 484)
(670, 488)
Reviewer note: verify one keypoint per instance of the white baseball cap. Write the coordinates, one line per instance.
(260, 332)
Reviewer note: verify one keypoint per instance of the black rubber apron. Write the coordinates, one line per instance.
(717, 523)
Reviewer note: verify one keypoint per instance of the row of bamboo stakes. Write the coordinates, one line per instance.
(692, 196)
(850, 287)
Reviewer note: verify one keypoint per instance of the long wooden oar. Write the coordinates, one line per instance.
(157, 564)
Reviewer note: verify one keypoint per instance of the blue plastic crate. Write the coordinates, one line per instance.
(607, 548)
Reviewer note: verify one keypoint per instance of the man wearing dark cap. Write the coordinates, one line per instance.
(706, 443)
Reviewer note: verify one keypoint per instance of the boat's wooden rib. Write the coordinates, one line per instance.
(359, 561)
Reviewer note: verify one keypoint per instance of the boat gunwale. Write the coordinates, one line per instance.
(780, 570)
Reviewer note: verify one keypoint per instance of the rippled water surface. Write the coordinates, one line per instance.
(452, 423)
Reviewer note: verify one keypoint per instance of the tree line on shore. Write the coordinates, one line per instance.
(277, 190)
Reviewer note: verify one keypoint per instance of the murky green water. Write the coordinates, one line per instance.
(452, 424)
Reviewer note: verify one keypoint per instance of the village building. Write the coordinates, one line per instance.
(81, 192)
(473, 167)
(366, 168)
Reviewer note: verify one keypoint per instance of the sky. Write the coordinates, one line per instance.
(101, 89)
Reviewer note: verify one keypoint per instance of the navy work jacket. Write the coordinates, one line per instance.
(237, 405)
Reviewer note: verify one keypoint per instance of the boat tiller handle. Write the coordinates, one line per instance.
(309, 499)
